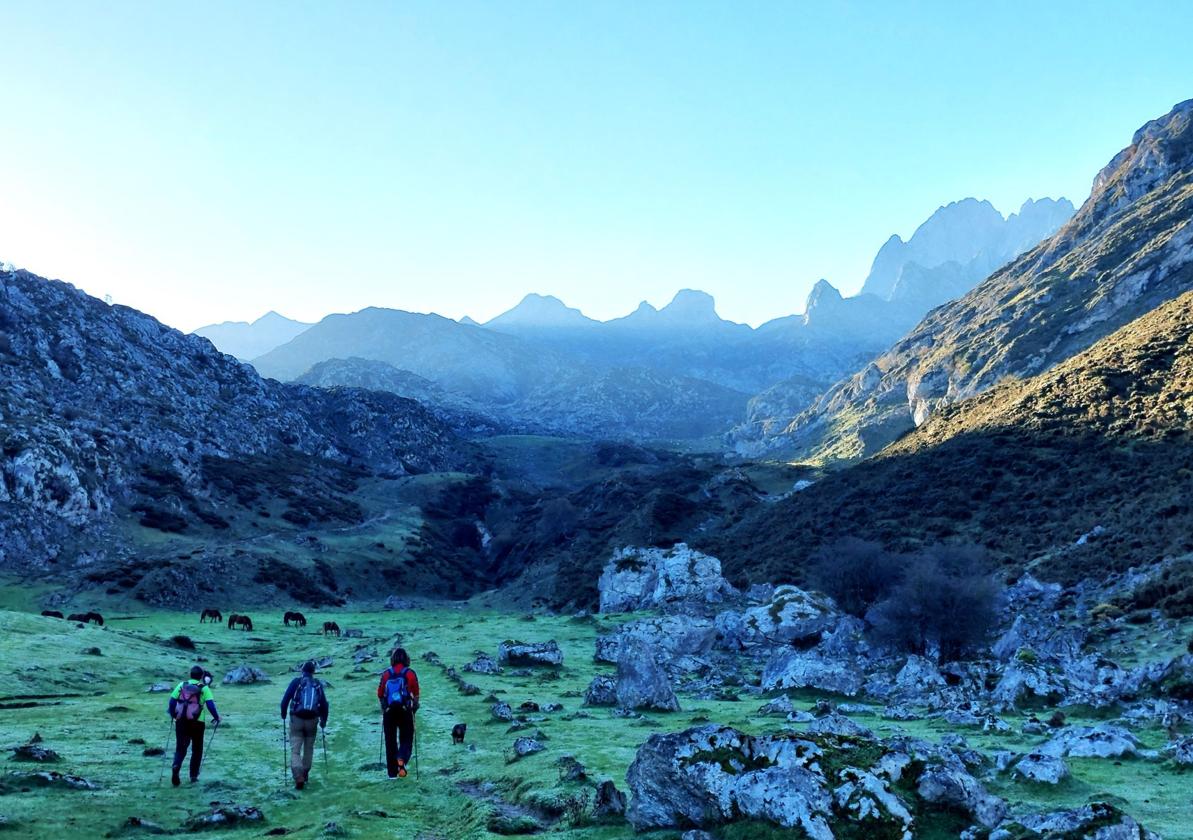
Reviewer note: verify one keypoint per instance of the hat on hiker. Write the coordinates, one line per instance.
(197, 672)
(308, 667)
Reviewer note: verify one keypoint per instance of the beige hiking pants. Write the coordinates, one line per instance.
(302, 745)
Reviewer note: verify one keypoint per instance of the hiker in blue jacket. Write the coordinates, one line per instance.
(306, 703)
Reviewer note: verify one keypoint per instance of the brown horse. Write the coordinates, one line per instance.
(331, 628)
(87, 618)
(214, 615)
(241, 621)
(298, 618)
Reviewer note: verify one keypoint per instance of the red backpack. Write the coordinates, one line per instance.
(190, 702)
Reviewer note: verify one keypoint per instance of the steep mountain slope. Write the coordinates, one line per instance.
(1127, 250)
(522, 384)
(107, 418)
(1082, 470)
(248, 341)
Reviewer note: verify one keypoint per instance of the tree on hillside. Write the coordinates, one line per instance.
(945, 602)
(856, 573)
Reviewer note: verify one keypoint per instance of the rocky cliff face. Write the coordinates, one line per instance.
(97, 397)
(1128, 249)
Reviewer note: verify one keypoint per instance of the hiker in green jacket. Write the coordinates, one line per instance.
(187, 703)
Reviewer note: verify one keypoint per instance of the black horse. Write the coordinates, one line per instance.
(214, 615)
(297, 618)
(241, 621)
(51, 613)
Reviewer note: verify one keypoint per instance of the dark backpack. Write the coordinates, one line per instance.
(190, 702)
(397, 690)
(308, 698)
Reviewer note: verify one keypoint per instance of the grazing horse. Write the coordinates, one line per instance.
(298, 618)
(214, 615)
(51, 613)
(331, 628)
(458, 733)
(79, 617)
(94, 618)
(241, 621)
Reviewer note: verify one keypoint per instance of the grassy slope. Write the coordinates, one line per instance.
(42, 656)
(1105, 438)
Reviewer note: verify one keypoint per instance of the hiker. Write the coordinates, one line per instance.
(187, 702)
(307, 704)
(398, 693)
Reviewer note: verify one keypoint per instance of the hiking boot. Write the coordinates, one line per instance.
(401, 769)
(194, 779)
(174, 778)
(298, 783)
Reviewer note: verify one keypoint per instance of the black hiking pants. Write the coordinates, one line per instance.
(189, 733)
(399, 737)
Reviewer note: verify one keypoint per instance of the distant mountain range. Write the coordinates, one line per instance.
(676, 371)
(246, 340)
(1128, 249)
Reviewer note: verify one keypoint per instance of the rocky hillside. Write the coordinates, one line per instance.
(516, 382)
(1079, 471)
(106, 415)
(1129, 249)
(246, 340)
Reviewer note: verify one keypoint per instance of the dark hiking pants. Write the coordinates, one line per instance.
(189, 733)
(399, 737)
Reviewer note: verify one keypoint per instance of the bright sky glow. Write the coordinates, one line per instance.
(211, 161)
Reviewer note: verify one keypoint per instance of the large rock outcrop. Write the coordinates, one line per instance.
(642, 578)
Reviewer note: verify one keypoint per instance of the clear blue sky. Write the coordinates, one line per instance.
(211, 161)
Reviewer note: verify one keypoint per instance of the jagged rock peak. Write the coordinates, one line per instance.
(822, 293)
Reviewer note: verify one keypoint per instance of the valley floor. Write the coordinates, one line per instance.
(84, 690)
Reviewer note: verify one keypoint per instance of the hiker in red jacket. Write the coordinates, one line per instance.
(398, 693)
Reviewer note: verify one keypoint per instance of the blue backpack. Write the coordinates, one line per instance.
(397, 690)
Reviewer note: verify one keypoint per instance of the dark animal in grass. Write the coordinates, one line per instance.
(241, 621)
(51, 613)
(214, 615)
(79, 617)
(297, 618)
(94, 618)
(458, 733)
(331, 628)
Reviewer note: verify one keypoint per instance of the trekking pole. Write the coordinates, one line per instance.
(285, 754)
(414, 748)
(323, 732)
(210, 741)
(165, 752)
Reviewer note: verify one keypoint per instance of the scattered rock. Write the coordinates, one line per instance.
(1182, 751)
(1102, 741)
(527, 746)
(224, 816)
(152, 752)
(1097, 821)
(602, 691)
(530, 653)
(136, 826)
(244, 675)
(571, 770)
(34, 751)
(502, 711)
(483, 664)
(608, 801)
(781, 705)
(157, 688)
(91, 651)
(1042, 769)
(393, 602)
(795, 669)
(837, 724)
(952, 786)
(640, 578)
(17, 780)
(642, 683)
